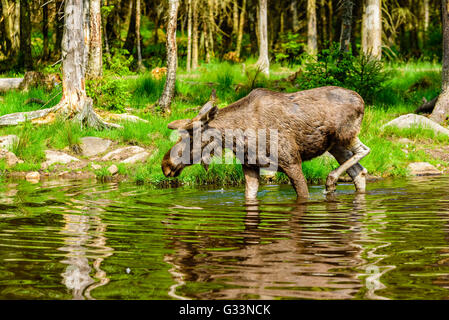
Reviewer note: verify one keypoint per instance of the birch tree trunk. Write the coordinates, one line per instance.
(140, 66)
(241, 28)
(189, 35)
(95, 62)
(263, 63)
(346, 25)
(172, 58)
(195, 35)
(372, 29)
(312, 39)
(441, 111)
(294, 9)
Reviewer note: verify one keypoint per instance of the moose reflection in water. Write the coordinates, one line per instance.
(303, 258)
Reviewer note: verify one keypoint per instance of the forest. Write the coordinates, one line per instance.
(124, 69)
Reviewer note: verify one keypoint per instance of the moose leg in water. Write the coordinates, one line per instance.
(251, 181)
(294, 172)
(357, 172)
(359, 151)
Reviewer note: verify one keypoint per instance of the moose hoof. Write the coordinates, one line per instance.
(331, 183)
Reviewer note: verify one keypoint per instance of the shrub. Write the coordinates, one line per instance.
(108, 93)
(334, 68)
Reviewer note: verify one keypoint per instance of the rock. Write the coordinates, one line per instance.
(33, 177)
(113, 169)
(6, 142)
(95, 166)
(423, 169)
(122, 153)
(414, 120)
(92, 146)
(140, 157)
(405, 141)
(57, 157)
(11, 158)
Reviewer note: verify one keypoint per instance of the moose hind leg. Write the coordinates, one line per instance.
(359, 151)
(251, 182)
(357, 172)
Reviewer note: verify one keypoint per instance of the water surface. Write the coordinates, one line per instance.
(83, 240)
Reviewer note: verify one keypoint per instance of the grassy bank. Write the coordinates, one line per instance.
(390, 155)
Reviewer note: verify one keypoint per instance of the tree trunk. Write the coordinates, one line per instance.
(95, 62)
(441, 111)
(426, 15)
(235, 17)
(238, 49)
(206, 40)
(294, 9)
(172, 58)
(346, 25)
(372, 29)
(131, 37)
(189, 36)
(312, 43)
(323, 18)
(211, 27)
(74, 104)
(263, 63)
(59, 27)
(25, 58)
(140, 66)
(195, 35)
(330, 30)
(45, 31)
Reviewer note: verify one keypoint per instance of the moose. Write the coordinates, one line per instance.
(307, 124)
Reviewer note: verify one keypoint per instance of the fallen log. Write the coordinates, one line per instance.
(10, 83)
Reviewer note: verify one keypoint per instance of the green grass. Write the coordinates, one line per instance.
(402, 94)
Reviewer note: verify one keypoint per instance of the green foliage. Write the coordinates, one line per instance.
(334, 68)
(291, 47)
(118, 62)
(109, 93)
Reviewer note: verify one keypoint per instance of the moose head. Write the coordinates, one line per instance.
(184, 152)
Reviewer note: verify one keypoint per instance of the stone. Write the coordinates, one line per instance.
(95, 166)
(140, 157)
(414, 120)
(405, 141)
(6, 142)
(423, 169)
(33, 177)
(122, 153)
(92, 146)
(113, 169)
(11, 158)
(53, 157)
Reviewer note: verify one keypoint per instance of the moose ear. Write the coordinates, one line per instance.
(207, 113)
(179, 124)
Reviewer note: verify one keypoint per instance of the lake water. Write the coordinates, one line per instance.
(84, 240)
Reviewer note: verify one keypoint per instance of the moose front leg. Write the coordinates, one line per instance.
(359, 151)
(294, 172)
(251, 182)
(357, 172)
